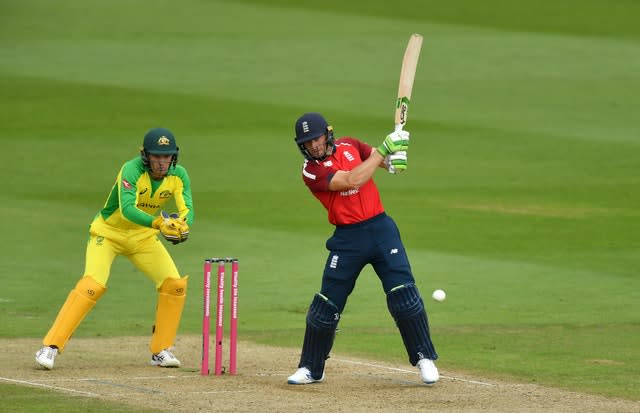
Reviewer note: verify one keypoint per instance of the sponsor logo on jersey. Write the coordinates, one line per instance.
(147, 205)
(127, 185)
(165, 194)
(350, 192)
(144, 191)
(349, 157)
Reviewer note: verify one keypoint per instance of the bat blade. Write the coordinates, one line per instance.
(407, 76)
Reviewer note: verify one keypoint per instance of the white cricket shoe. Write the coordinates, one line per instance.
(428, 371)
(303, 376)
(164, 359)
(46, 356)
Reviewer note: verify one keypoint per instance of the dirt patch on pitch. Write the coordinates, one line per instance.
(119, 372)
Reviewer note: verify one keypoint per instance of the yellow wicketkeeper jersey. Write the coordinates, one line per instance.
(136, 199)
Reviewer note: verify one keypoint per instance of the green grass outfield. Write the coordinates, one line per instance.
(521, 200)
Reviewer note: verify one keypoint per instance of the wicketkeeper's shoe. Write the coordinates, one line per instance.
(303, 376)
(46, 356)
(164, 359)
(428, 371)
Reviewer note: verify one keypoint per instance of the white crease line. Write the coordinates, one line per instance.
(145, 377)
(90, 394)
(46, 386)
(60, 379)
(175, 393)
(482, 383)
(407, 371)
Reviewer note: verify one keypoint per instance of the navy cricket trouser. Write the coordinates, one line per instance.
(375, 241)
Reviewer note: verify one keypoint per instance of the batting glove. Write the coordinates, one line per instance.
(396, 162)
(394, 142)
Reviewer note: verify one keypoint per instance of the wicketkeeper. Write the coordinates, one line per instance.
(128, 225)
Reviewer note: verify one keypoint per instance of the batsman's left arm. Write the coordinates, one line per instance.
(346, 180)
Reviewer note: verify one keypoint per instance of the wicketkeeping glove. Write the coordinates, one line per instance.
(394, 142)
(183, 226)
(172, 227)
(396, 162)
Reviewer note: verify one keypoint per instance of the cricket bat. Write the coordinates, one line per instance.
(407, 75)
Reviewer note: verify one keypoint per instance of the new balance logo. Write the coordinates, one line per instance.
(393, 251)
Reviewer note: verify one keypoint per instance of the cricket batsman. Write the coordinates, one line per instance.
(339, 173)
(128, 224)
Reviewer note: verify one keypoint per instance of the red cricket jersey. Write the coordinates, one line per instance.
(344, 207)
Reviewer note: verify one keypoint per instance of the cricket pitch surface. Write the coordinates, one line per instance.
(120, 372)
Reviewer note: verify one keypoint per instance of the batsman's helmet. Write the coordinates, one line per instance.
(311, 126)
(159, 141)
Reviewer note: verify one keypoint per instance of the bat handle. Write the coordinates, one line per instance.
(398, 127)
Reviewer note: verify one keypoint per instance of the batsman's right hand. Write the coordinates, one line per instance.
(394, 142)
(172, 227)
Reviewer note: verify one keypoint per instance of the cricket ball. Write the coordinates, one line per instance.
(439, 295)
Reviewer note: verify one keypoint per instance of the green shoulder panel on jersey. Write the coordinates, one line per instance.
(181, 173)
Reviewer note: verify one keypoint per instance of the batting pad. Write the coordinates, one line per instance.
(407, 308)
(171, 298)
(78, 304)
(322, 321)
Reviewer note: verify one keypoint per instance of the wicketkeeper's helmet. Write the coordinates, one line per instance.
(159, 141)
(311, 126)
